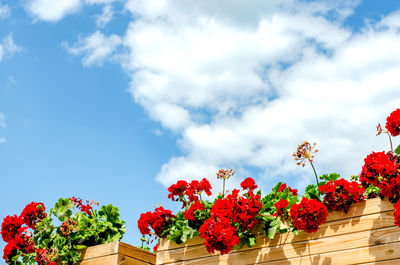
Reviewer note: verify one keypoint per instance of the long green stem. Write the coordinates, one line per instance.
(315, 172)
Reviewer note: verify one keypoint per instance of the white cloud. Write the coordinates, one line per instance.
(243, 84)
(5, 11)
(8, 47)
(2, 120)
(50, 10)
(96, 48)
(105, 17)
(2, 140)
(53, 11)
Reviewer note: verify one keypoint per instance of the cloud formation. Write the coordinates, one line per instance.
(5, 11)
(50, 10)
(8, 47)
(242, 85)
(96, 48)
(53, 11)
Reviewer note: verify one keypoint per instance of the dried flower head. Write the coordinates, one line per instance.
(379, 129)
(225, 174)
(304, 152)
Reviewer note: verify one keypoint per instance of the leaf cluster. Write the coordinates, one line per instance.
(102, 226)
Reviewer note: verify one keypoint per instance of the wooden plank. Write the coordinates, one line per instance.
(386, 262)
(336, 228)
(104, 260)
(125, 260)
(303, 248)
(101, 254)
(370, 206)
(137, 253)
(100, 250)
(367, 207)
(354, 256)
(373, 254)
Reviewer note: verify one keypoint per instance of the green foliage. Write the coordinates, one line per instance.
(271, 224)
(330, 177)
(100, 227)
(355, 178)
(312, 192)
(180, 231)
(371, 191)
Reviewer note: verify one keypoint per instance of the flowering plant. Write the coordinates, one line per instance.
(32, 236)
(341, 194)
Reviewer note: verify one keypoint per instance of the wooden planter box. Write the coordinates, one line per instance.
(116, 253)
(365, 235)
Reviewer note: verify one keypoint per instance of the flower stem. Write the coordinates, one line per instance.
(223, 189)
(390, 139)
(315, 172)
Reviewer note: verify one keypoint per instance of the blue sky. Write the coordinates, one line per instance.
(116, 111)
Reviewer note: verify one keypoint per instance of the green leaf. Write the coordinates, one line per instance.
(312, 192)
(62, 209)
(251, 241)
(330, 177)
(77, 247)
(397, 151)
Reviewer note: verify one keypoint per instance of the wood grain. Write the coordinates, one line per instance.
(364, 235)
(116, 253)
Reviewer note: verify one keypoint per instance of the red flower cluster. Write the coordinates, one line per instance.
(219, 231)
(44, 256)
(382, 170)
(177, 189)
(33, 213)
(21, 242)
(196, 206)
(219, 234)
(11, 227)
(193, 190)
(308, 215)
(280, 206)
(340, 194)
(376, 165)
(249, 184)
(83, 207)
(67, 227)
(393, 123)
(14, 230)
(157, 220)
(284, 186)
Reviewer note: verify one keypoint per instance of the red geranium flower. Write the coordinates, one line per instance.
(280, 205)
(219, 234)
(189, 214)
(248, 184)
(10, 250)
(44, 256)
(341, 194)
(33, 213)
(11, 227)
(284, 186)
(375, 165)
(393, 123)
(308, 215)
(177, 189)
(157, 220)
